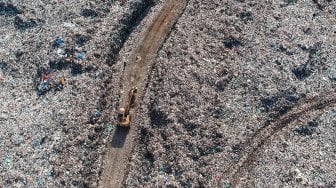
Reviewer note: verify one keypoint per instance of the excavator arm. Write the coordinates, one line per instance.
(124, 118)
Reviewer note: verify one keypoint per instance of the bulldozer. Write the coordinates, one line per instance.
(124, 117)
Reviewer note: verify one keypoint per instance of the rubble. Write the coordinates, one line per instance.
(225, 75)
(59, 53)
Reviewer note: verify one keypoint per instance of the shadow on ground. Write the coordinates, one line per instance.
(119, 137)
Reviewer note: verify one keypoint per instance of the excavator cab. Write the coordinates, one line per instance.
(124, 118)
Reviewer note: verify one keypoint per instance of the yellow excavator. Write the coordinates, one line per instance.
(124, 117)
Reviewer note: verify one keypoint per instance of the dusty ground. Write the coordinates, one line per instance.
(241, 93)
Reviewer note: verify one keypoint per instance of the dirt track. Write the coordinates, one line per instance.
(307, 108)
(116, 158)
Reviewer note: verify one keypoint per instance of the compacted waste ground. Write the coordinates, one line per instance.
(135, 74)
(55, 59)
(241, 93)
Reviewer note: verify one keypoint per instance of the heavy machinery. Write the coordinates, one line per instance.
(124, 117)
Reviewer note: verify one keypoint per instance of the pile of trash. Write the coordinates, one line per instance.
(224, 77)
(48, 82)
(54, 128)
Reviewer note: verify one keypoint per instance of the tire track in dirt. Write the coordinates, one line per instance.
(308, 108)
(117, 157)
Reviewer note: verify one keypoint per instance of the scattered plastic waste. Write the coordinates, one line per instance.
(43, 88)
(47, 83)
(332, 72)
(50, 172)
(80, 56)
(61, 83)
(68, 53)
(165, 180)
(60, 52)
(8, 161)
(18, 142)
(110, 128)
(299, 175)
(44, 85)
(36, 143)
(97, 113)
(292, 2)
(95, 116)
(58, 42)
(62, 80)
(45, 77)
(55, 151)
(39, 181)
(162, 169)
(68, 25)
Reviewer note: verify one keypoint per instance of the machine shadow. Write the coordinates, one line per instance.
(119, 137)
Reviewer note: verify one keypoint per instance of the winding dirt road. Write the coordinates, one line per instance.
(117, 156)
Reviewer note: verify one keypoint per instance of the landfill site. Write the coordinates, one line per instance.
(167, 93)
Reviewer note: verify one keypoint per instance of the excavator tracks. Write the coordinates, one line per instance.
(308, 108)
